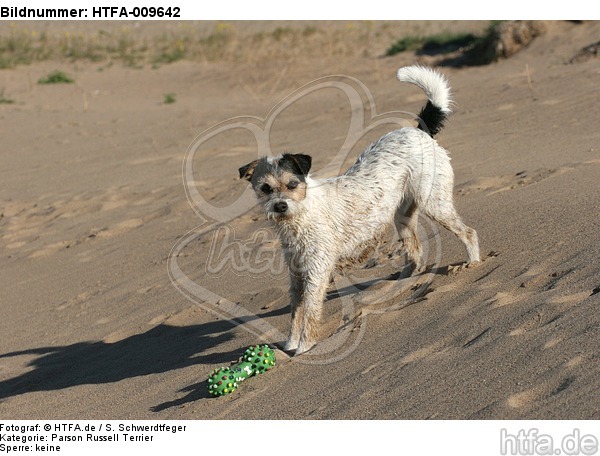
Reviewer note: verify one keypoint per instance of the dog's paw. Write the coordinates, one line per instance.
(290, 345)
(456, 268)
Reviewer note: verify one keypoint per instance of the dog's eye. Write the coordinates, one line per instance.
(266, 188)
(292, 185)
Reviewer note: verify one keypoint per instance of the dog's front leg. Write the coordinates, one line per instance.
(296, 292)
(315, 287)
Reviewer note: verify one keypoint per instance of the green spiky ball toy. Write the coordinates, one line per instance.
(256, 360)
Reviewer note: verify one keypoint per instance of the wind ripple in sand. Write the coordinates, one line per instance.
(496, 184)
(556, 384)
(43, 228)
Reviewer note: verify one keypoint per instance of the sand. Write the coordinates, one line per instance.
(93, 201)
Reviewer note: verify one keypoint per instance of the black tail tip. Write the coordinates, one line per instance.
(431, 119)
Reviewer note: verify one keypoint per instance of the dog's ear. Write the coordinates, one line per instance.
(247, 171)
(301, 163)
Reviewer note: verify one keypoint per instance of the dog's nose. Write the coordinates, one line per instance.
(280, 207)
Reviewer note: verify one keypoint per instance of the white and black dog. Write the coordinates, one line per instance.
(325, 222)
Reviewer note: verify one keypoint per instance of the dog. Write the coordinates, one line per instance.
(326, 222)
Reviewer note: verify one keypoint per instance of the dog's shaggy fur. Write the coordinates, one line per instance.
(327, 221)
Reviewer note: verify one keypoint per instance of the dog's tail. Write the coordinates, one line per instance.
(435, 85)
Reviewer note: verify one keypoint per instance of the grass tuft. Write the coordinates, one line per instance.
(4, 100)
(441, 43)
(408, 43)
(56, 77)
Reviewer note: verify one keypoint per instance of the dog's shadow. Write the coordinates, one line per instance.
(161, 349)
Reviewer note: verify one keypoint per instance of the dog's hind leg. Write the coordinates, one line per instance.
(405, 219)
(445, 214)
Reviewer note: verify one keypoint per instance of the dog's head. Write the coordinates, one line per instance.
(279, 183)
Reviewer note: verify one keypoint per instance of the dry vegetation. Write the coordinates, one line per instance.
(233, 42)
(138, 46)
(224, 42)
(505, 39)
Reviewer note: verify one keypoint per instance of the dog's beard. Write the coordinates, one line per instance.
(277, 217)
(273, 215)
